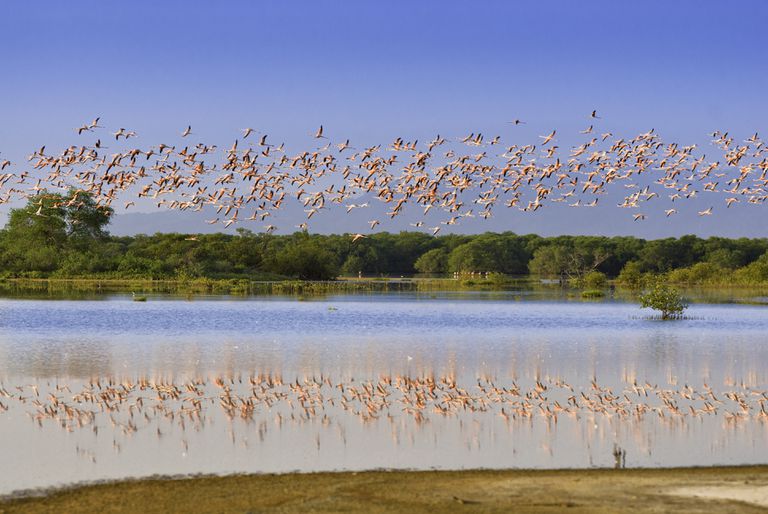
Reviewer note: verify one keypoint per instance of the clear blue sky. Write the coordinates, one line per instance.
(372, 71)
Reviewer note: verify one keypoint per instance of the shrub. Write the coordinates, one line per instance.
(704, 272)
(679, 276)
(631, 275)
(496, 279)
(665, 299)
(595, 280)
(755, 272)
(699, 273)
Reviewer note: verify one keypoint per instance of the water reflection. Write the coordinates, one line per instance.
(110, 389)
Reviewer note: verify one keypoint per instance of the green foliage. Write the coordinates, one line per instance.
(86, 221)
(571, 258)
(496, 279)
(726, 258)
(593, 293)
(664, 299)
(699, 273)
(37, 235)
(503, 253)
(306, 259)
(432, 261)
(754, 273)
(550, 261)
(631, 275)
(57, 235)
(595, 280)
(663, 255)
(352, 266)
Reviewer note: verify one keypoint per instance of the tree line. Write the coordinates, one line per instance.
(65, 236)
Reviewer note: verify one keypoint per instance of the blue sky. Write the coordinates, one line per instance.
(371, 71)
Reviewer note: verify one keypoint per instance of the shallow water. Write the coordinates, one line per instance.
(501, 340)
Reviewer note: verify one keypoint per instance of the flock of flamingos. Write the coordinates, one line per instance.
(468, 176)
(120, 408)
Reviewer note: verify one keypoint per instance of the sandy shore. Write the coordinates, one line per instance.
(710, 490)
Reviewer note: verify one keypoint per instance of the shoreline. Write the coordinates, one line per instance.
(258, 286)
(690, 489)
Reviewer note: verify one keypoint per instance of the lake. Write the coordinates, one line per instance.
(111, 388)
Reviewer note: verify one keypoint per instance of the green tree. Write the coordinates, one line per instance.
(433, 261)
(86, 220)
(551, 261)
(631, 275)
(503, 253)
(35, 235)
(352, 266)
(306, 259)
(407, 247)
(665, 299)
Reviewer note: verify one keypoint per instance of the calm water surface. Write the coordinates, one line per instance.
(464, 338)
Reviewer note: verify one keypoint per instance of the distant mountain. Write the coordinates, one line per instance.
(738, 221)
(554, 220)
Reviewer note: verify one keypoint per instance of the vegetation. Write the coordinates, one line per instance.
(665, 299)
(594, 280)
(543, 491)
(65, 236)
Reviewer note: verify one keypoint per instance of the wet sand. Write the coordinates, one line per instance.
(710, 490)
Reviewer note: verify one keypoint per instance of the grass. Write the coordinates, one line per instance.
(576, 491)
(234, 286)
(593, 293)
(198, 286)
(94, 287)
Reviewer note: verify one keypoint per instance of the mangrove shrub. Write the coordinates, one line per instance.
(664, 299)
